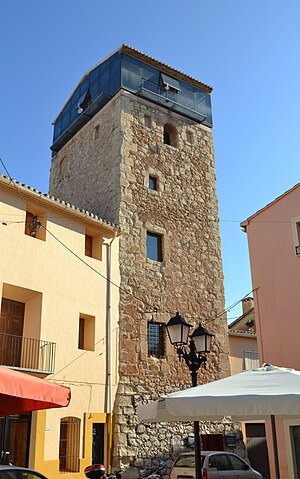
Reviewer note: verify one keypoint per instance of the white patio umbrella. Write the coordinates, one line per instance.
(262, 393)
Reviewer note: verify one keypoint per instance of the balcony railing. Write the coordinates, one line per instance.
(27, 354)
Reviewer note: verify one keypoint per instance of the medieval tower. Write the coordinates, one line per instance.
(133, 145)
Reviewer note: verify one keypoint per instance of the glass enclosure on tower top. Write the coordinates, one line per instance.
(139, 74)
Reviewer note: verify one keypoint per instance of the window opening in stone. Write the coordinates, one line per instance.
(156, 343)
(170, 135)
(153, 183)
(154, 246)
(63, 165)
(148, 121)
(189, 137)
(96, 132)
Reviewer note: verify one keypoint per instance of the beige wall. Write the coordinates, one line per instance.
(238, 344)
(56, 287)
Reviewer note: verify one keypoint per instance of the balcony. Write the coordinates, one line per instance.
(27, 354)
(168, 99)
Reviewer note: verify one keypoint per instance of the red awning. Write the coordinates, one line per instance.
(20, 392)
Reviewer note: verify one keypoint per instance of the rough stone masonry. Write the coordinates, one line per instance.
(105, 169)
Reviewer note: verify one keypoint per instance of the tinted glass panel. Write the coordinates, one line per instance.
(222, 463)
(237, 463)
(186, 461)
(122, 70)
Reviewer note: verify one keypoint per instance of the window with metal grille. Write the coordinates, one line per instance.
(156, 343)
(69, 442)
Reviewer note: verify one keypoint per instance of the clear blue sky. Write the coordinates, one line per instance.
(247, 50)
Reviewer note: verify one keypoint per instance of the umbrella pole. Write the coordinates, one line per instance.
(197, 439)
(275, 447)
(197, 450)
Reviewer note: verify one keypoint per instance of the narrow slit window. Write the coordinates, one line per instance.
(89, 246)
(148, 121)
(189, 137)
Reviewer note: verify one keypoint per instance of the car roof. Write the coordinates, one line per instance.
(205, 453)
(7, 467)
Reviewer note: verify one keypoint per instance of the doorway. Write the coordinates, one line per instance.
(11, 331)
(257, 449)
(15, 439)
(98, 443)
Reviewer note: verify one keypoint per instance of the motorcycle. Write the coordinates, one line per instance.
(157, 474)
(97, 471)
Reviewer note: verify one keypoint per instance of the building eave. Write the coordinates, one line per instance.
(246, 222)
(49, 201)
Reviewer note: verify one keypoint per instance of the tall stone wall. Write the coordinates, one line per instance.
(108, 164)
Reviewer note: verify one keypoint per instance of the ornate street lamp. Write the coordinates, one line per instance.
(193, 349)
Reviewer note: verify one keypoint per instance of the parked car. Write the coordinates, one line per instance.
(215, 465)
(13, 472)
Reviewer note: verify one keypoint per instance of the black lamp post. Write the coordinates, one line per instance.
(194, 354)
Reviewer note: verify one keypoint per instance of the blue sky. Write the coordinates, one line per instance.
(247, 50)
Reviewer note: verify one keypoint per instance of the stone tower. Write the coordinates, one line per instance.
(134, 145)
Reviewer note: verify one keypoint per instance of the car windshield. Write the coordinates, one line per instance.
(186, 461)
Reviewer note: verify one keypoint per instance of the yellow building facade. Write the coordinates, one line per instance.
(59, 278)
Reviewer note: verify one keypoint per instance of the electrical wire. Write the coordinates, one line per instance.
(154, 308)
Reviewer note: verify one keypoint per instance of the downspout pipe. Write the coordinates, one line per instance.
(108, 399)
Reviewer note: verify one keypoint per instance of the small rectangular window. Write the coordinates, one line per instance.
(156, 345)
(93, 244)
(86, 332)
(154, 246)
(153, 183)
